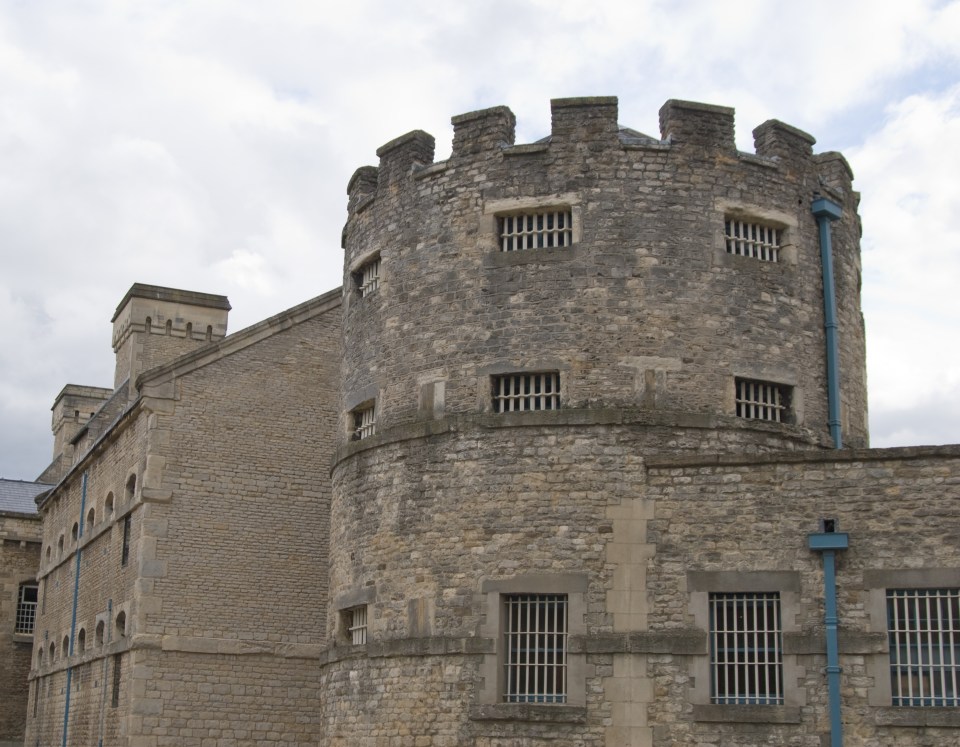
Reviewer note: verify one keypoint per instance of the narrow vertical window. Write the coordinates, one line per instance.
(125, 546)
(26, 609)
(924, 634)
(746, 649)
(357, 624)
(115, 692)
(367, 277)
(364, 421)
(535, 648)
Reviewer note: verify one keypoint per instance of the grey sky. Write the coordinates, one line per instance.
(208, 146)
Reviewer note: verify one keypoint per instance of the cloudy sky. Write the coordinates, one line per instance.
(207, 146)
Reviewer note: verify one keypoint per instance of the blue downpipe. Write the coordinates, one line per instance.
(76, 596)
(826, 211)
(828, 543)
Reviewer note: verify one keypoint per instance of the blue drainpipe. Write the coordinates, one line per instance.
(76, 595)
(828, 542)
(826, 211)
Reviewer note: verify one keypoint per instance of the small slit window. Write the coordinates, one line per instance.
(125, 542)
(746, 649)
(525, 392)
(763, 400)
(356, 620)
(543, 229)
(364, 421)
(368, 277)
(924, 634)
(755, 240)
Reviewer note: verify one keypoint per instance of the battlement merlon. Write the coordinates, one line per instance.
(693, 123)
(400, 156)
(362, 185)
(776, 139)
(591, 119)
(483, 130)
(835, 172)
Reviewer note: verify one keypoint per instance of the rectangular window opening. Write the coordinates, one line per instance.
(115, 693)
(746, 649)
(753, 240)
(924, 635)
(763, 400)
(535, 648)
(26, 616)
(548, 229)
(368, 277)
(356, 619)
(364, 421)
(524, 392)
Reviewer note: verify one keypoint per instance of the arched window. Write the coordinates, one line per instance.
(98, 633)
(189, 330)
(53, 652)
(49, 553)
(148, 324)
(121, 626)
(168, 330)
(75, 532)
(81, 641)
(91, 515)
(60, 546)
(108, 505)
(131, 487)
(40, 656)
(209, 333)
(65, 648)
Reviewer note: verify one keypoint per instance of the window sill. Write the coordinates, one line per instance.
(747, 714)
(23, 638)
(532, 256)
(553, 714)
(907, 716)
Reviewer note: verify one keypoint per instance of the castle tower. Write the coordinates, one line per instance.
(154, 325)
(525, 326)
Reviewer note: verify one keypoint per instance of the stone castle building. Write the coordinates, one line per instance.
(578, 455)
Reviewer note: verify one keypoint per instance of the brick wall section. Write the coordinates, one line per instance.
(19, 558)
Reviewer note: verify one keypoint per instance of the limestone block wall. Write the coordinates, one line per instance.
(19, 559)
(717, 521)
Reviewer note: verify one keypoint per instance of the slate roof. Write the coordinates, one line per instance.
(16, 496)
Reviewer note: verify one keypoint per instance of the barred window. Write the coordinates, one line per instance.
(368, 277)
(356, 619)
(26, 609)
(535, 647)
(752, 240)
(364, 421)
(536, 230)
(924, 632)
(522, 392)
(746, 649)
(762, 400)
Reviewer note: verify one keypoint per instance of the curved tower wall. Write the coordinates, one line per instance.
(648, 322)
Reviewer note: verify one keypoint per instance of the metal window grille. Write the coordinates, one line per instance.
(540, 230)
(26, 609)
(364, 422)
(369, 277)
(357, 624)
(746, 649)
(523, 392)
(761, 400)
(535, 669)
(924, 632)
(752, 240)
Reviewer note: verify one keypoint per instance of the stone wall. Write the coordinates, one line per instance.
(19, 558)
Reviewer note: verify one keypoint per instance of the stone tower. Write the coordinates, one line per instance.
(524, 326)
